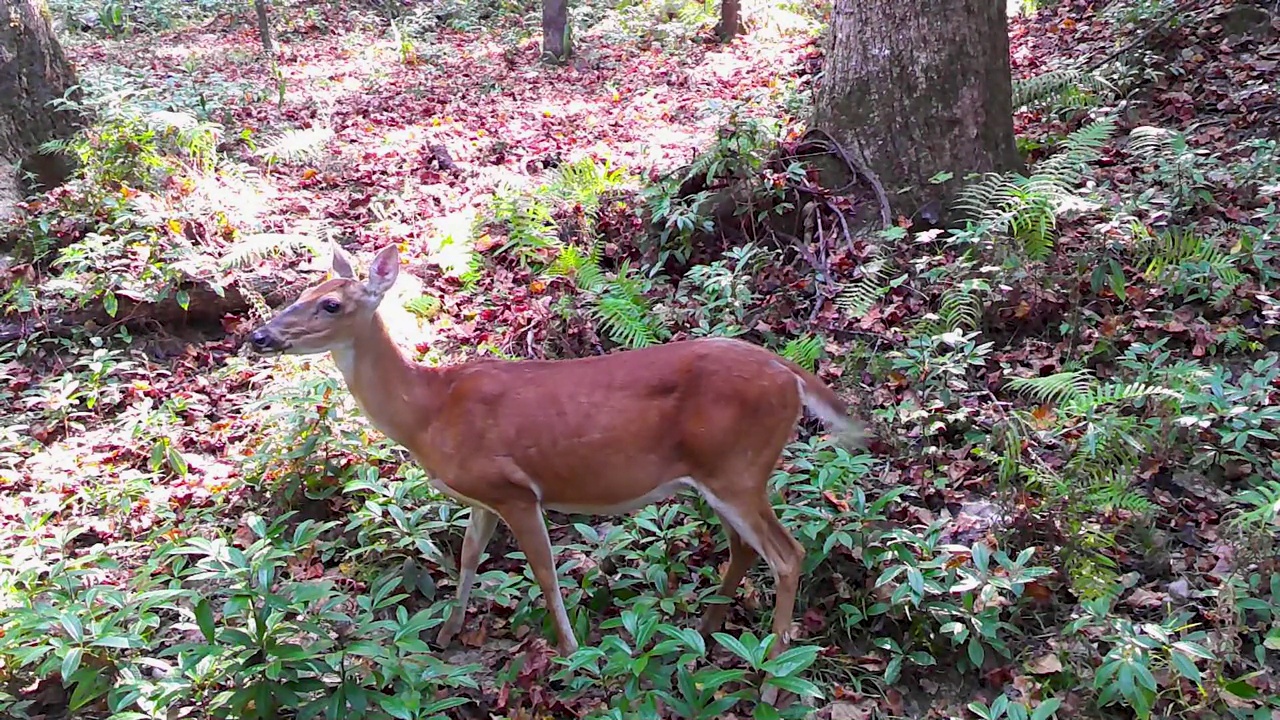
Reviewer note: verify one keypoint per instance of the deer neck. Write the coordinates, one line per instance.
(395, 393)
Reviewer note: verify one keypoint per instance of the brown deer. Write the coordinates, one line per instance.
(599, 435)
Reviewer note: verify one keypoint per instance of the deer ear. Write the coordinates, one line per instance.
(383, 271)
(342, 266)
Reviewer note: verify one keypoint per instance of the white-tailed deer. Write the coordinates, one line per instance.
(599, 435)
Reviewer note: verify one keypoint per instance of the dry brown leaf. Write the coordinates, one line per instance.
(1045, 665)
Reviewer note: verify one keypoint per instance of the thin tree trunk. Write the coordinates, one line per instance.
(729, 23)
(914, 88)
(263, 8)
(557, 45)
(33, 72)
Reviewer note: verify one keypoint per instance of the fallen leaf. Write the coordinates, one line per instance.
(1047, 664)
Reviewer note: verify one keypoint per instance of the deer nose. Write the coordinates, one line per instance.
(260, 339)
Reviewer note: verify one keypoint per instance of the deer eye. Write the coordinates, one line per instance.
(330, 306)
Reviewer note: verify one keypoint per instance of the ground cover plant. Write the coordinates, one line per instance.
(1068, 507)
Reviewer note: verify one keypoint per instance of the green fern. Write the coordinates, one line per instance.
(856, 298)
(1068, 87)
(584, 183)
(529, 221)
(583, 267)
(1026, 208)
(253, 249)
(959, 309)
(623, 312)
(1055, 389)
(296, 145)
(1180, 253)
(804, 351)
(424, 306)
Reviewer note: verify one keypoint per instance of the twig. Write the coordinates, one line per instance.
(1135, 42)
(886, 214)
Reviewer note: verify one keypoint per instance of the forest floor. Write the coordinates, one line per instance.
(1090, 376)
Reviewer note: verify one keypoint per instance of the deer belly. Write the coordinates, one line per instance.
(447, 491)
(623, 505)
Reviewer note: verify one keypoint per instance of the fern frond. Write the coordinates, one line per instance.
(976, 198)
(856, 298)
(1262, 507)
(424, 306)
(296, 145)
(1058, 389)
(625, 321)
(253, 249)
(959, 309)
(1115, 493)
(804, 351)
(1066, 168)
(1115, 394)
(1152, 142)
(1067, 87)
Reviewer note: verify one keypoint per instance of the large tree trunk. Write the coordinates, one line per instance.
(729, 12)
(263, 10)
(917, 88)
(33, 71)
(557, 45)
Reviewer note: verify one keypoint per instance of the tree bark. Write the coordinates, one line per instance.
(33, 72)
(729, 23)
(557, 45)
(263, 9)
(913, 88)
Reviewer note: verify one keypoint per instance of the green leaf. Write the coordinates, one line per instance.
(691, 638)
(766, 712)
(1195, 649)
(110, 303)
(980, 710)
(798, 686)
(257, 525)
(1046, 709)
(71, 623)
(177, 461)
(1185, 667)
(1241, 689)
(976, 652)
(184, 299)
(792, 661)
(1272, 641)
(116, 641)
(735, 646)
(71, 662)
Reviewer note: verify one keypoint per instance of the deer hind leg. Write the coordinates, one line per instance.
(530, 529)
(741, 557)
(753, 520)
(479, 532)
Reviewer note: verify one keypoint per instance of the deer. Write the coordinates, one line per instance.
(599, 435)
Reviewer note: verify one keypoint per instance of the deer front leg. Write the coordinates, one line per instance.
(530, 529)
(479, 531)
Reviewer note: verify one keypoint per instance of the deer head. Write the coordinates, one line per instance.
(327, 316)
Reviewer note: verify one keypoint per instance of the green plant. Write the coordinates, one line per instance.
(804, 351)
(1025, 208)
(1105, 446)
(1067, 88)
(1192, 265)
(1138, 652)
(727, 172)
(717, 295)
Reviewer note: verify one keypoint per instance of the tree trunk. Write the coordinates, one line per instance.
(263, 9)
(557, 45)
(33, 72)
(917, 88)
(728, 27)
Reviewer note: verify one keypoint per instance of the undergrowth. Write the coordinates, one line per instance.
(1087, 504)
